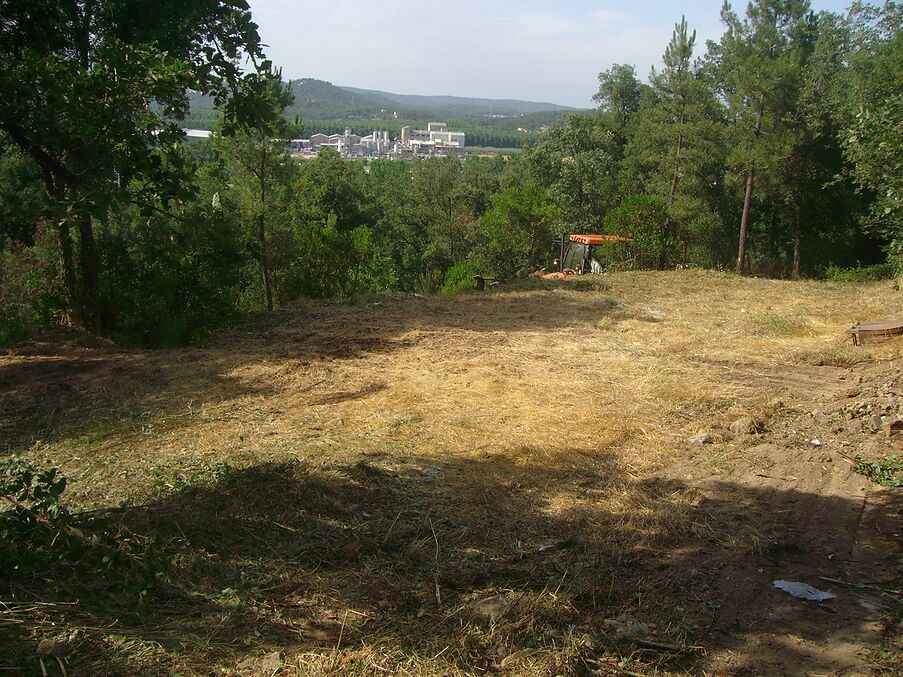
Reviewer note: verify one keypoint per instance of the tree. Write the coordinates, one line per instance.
(93, 91)
(677, 149)
(260, 168)
(578, 162)
(759, 64)
(619, 97)
(518, 231)
(814, 160)
(870, 107)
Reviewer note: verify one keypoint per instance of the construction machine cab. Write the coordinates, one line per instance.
(577, 252)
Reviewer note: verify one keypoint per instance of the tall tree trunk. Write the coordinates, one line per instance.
(747, 199)
(797, 251)
(672, 193)
(89, 301)
(67, 260)
(265, 265)
(262, 235)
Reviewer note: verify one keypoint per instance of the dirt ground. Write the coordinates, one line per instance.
(594, 476)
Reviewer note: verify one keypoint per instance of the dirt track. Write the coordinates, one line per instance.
(393, 462)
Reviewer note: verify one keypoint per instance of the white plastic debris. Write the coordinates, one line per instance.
(815, 443)
(804, 591)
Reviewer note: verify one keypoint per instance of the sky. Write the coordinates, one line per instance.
(519, 49)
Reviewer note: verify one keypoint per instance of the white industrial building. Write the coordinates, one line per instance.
(436, 140)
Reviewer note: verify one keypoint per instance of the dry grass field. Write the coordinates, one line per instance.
(594, 476)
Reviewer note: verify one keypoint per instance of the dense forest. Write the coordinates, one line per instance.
(777, 150)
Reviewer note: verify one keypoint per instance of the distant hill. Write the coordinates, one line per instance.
(325, 107)
(321, 100)
(459, 105)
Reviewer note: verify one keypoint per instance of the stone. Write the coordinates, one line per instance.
(745, 426)
(875, 423)
(492, 607)
(893, 428)
(627, 626)
(267, 666)
(433, 471)
(55, 647)
(702, 437)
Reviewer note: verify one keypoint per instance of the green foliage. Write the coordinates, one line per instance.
(619, 96)
(40, 534)
(517, 232)
(887, 472)
(869, 102)
(577, 161)
(460, 277)
(430, 281)
(22, 197)
(170, 281)
(644, 218)
(881, 271)
(30, 293)
(35, 493)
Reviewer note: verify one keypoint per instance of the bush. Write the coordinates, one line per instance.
(168, 281)
(645, 219)
(460, 277)
(430, 281)
(40, 535)
(30, 290)
(881, 271)
(517, 232)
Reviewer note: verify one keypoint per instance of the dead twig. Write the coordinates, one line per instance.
(436, 574)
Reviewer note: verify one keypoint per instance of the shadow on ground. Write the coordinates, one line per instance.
(345, 567)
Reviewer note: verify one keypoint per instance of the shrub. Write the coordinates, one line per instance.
(645, 219)
(460, 277)
(30, 290)
(517, 232)
(881, 271)
(40, 535)
(430, 281)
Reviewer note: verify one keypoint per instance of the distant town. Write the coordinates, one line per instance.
(437, 140)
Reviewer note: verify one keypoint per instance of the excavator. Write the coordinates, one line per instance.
(576, 255)
(575, 258)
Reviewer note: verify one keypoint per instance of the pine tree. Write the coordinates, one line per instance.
(759, 63)
(675, 148)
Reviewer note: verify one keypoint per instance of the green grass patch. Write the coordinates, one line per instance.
(93, 437)
(888, 472)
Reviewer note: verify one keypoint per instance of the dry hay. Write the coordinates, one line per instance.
(344, 481)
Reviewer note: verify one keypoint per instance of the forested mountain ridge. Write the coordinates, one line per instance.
(320, 100)
(459, 105)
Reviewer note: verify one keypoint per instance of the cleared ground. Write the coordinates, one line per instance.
(503, 482)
